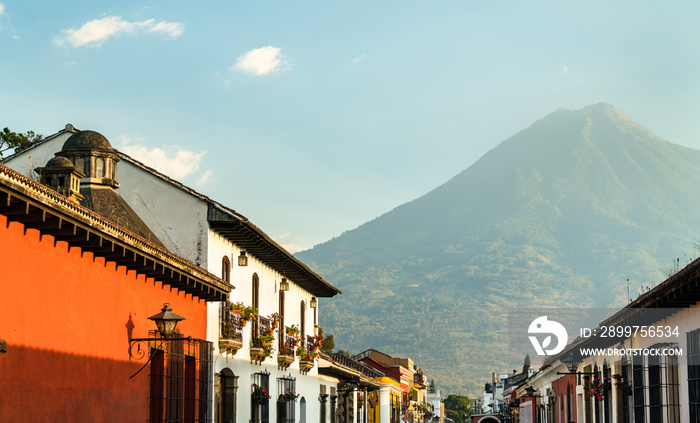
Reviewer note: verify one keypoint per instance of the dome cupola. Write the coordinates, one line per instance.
(92, 154)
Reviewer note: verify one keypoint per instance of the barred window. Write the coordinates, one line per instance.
(693, 339)
(638, 390)
(260, 398)
(286, 399)
(181, 378)
(659, 396)
(607, 407)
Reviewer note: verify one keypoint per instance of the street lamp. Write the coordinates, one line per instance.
(166, 321)
(530, 390)
(242, 259)
(284, 285)
(571, 364)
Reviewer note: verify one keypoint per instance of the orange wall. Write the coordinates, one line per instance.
(67, 318)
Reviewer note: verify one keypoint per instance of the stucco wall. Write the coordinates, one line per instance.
(38, 155)
(67, 318)
(177, 218)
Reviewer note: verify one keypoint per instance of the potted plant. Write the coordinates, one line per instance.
(235, 307)
(248, 313)
(260, 393)
(288, 396)
(293, 331)
(274, 320)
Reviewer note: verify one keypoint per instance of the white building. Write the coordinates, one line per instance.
(226, 243)
(643, 364)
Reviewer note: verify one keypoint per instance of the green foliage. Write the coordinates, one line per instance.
(328, 345)
(460, 406)
(17, 141)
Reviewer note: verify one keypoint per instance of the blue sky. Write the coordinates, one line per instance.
(311, 118)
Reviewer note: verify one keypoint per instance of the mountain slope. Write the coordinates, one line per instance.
(560, 214)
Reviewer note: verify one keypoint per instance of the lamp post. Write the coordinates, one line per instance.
(166, 322)
(572, 364)
(284, 285)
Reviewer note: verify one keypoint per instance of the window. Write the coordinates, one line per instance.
(693, 339)
(80, 164)
(181, 381)
(597, 404)
(638, 389)
(395, 408)
(607, 407)
(624, 391)
(302, 325)
(660, 396)
(226, 269)
(286, 399)
(260, 398)
(282, 326)
(302, 410)
(256, 304)
(100, 167)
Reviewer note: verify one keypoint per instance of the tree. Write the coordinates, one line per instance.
(328, 344)
(460, 406)
(17, 141)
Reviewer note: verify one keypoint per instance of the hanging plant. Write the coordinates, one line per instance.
(598, 388)
(260, 392)
(288, 396)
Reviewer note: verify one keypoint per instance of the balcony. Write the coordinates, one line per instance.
(285, 356)
(231, 338)
(308, 354)
(261, 344)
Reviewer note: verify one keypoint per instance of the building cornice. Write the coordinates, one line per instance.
(38, 207)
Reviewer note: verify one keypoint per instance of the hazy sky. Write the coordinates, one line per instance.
(311, 118)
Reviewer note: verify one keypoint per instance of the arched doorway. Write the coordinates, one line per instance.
(228, 386)
(302, 410)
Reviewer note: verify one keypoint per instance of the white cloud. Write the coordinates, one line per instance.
(359, 59)
(206, 177)
(564, 69)
(2, 9)
(292, 247)
(97, 31)
(260, 61)
(169, 29)
(173, 161)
